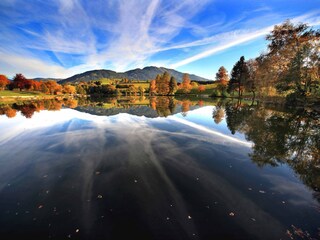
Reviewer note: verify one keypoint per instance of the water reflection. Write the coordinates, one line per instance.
(182, 176)
(28, 108)
(290, 137)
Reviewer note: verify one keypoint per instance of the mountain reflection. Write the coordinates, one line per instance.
(279, 136)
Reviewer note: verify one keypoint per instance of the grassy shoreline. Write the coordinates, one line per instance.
(7, 97)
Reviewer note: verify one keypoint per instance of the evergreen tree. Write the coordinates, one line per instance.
(239, 74)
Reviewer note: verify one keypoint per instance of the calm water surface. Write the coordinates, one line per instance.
(71, 174)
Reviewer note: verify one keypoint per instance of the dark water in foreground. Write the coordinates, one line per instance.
(70, 174)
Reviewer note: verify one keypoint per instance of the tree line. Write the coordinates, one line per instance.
(166, 85)
(290, 66)
(20, 82)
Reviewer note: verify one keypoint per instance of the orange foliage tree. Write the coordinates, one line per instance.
(53, 87)
(201, 88)
(69, 89)
(35, 85)
(3, 82)
(186, 83)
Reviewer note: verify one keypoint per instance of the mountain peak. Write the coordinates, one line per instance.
(147, 73)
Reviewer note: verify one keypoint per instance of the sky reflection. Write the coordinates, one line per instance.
(172, 178)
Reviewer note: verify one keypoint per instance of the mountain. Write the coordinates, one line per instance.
(47, 79)
(138, 110)
(146, 73)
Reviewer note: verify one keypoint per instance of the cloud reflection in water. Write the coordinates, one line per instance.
(145, 174)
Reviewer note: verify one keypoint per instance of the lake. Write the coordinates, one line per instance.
(159, 168)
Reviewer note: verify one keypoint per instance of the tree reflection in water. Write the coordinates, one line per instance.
(280, 137)
(28, 108)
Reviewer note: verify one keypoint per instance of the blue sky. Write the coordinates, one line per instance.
(60, 38)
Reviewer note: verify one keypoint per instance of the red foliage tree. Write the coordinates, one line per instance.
(20, 81)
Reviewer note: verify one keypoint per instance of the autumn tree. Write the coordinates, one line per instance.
(80, 90)
(201, 88)
(173, 85)
(162, 83)
(69, 89)
(20, 81)
(44, 88)
(152, 88)
(3, 82)
(222, 78)
(250, 81)
(186, 83)
(53, 87)
(194, 84)
(285, 40)
(302, 72)
(294, 57)
(35, 85)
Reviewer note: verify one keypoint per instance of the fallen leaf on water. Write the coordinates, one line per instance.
(289, 234)
(297, 231)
